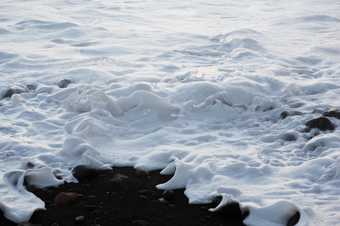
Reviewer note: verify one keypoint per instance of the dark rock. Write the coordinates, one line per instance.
(11, 91)
(64, 83)
(140, 223)
(285, 114)
(216, 200)
(231, 211)
(67, 198)
(333, 113)
(31, 87)
(293, 220)
(320, 123)
(168, 195)
(29, 165)
(82, 173)
(37, 216)
(264, 108)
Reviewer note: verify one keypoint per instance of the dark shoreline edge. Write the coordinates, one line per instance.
(124, 196)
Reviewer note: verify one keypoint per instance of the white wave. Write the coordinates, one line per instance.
(197, 90)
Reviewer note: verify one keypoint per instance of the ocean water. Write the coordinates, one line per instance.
(195, 88)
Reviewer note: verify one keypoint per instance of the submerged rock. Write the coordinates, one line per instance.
(293, 220)
(64, 83)
(321, 123)
(333, 113)
(11, 91)
(289, 137)
(285, 114)
(31, 87)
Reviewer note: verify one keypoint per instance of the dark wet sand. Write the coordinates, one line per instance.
(126, 197)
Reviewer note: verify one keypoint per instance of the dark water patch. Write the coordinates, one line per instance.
(61, 41)
(318, 18)
(236, 43)
(328, 50)
(290, 136)
(312, 60)
(4, 31)
(34, 64)
(237, 33)
(45, 25)
(244, 38)
(105, 51)
(83, 44)
(73, 43)
(5, 57)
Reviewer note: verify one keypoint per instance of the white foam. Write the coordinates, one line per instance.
(195, 89)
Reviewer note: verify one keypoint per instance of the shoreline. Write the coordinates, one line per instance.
(126, 197)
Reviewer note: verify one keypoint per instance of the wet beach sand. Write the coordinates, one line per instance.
(123, 197)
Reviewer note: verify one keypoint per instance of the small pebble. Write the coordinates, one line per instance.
(162, 200)
(79, 219)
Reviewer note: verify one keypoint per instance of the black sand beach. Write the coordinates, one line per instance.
(123, 197)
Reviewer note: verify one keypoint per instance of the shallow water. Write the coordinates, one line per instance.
(193, 86)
